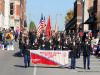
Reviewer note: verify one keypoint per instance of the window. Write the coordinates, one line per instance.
(11, 8)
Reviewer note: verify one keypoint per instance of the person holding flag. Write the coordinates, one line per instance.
(42, 25)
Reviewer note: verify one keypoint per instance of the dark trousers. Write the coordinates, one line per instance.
(73, 62)
(26, 60)
(79, 54)
(21, 50)
(88, 61)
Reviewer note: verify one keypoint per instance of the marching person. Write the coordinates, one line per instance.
(86, 54)
(26, 53)
(51, 44)
(58, 43)
(79, 47)
(21, 46)
(47, 44)
(42, 47)
(66, 46)
(35, 45)
(70, 45)
(73, 55)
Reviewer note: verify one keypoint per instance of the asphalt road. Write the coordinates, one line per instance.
(11, 64)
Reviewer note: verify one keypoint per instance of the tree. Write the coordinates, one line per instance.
(70, 15)
(32, 26)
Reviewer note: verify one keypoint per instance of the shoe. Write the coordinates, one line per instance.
(25, 66)
(73, 68)
(84, 67)
(88, 68)
(28, 65)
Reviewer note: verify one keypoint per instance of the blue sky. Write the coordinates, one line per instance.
(48, 7)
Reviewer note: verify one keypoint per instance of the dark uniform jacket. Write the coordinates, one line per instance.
(25, 49)
(70, 44)
(47, 44)
(35, 46)
(65, 46)
(21, 45)
(79, 45)
(74, 51)
(86, 49)
(58, 44)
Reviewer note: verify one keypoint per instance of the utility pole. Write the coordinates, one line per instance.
(61, 22)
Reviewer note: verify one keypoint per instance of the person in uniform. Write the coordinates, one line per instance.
(58, 44)
(21, 46)
(66, 46)
(47, 44)
(42, 47)
(70, 42)
(79, 47)
(35, 45)
(26, 53)
(73, 55)
(63, 42)
(86, 54)
(51, 44)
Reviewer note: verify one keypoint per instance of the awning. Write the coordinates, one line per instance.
(90, 20)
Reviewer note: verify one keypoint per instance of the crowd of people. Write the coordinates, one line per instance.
(6, 39)
(77, 44)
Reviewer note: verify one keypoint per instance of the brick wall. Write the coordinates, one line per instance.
(2, 6)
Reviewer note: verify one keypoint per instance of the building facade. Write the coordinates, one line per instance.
(7, 14)
(2, 11)
(87, 4)
(76, 21)
(17, 13)
(85, 16)
(12, 14)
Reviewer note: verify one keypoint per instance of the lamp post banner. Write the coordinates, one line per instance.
(47, 57)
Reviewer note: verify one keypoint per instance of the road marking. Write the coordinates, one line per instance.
(34, 72)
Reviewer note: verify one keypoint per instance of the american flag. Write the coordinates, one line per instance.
(41, 24)
(44, 25)
(39, 29)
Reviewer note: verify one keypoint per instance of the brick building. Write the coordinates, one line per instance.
(96, 10)
(7, 14)
(84, 16)
(91, 20)
(76, 21)
(2, 11)
(17, 13)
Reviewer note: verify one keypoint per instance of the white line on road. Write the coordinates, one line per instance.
(34, 72)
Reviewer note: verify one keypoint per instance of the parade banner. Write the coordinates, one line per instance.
(53, 58)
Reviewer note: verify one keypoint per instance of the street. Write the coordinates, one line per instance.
(11, 64)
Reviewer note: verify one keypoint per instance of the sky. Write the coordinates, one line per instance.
(34, 9)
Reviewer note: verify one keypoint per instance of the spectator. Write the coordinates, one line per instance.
(16, 35)
(8, 39)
